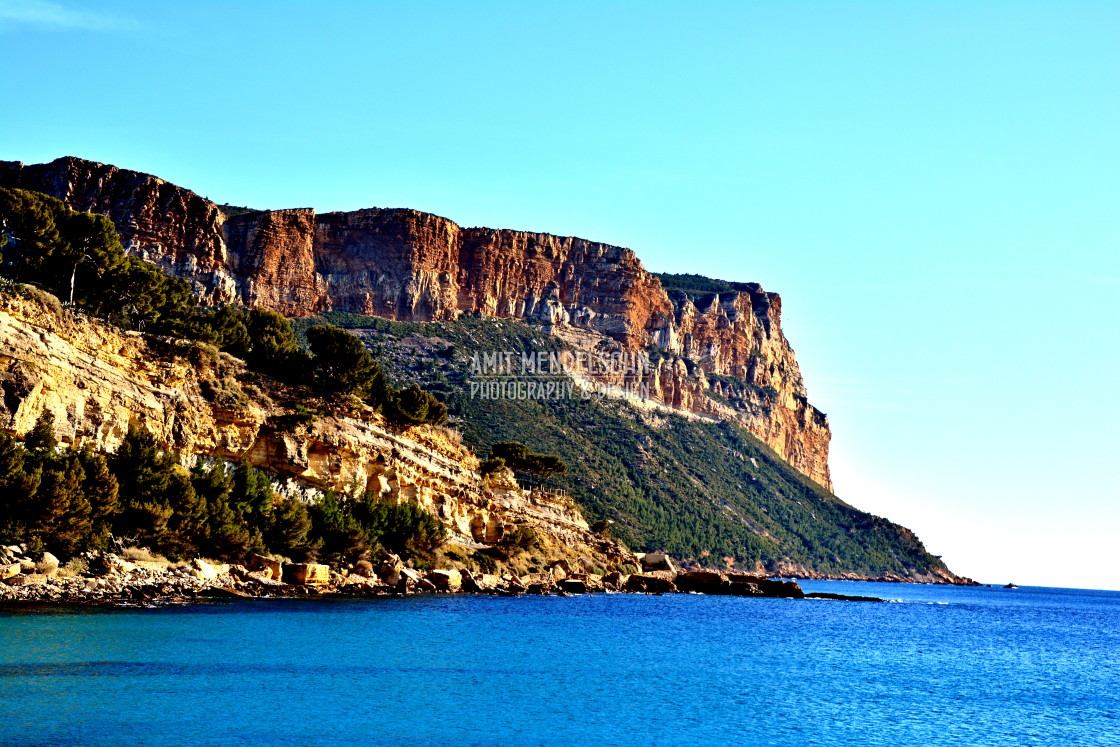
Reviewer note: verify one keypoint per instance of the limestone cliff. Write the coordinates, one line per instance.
(412, 266)
(97, 380)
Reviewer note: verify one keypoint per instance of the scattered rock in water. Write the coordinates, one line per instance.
(841, 597)
(658, 582)
(573, 586)
(703, 582)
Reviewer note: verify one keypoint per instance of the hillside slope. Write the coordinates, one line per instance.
(703, 490)
(410, 266)
(97, 381)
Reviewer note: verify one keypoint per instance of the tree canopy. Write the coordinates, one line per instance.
(517, 457)
(79, 258)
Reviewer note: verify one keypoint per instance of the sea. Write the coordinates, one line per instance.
(937, 666)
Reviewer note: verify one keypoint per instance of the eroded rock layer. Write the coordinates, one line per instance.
(97, 381)
(412, 266)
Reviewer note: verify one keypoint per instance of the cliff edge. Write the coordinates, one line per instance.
(722, 355)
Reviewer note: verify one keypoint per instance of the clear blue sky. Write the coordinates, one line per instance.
(932, 187)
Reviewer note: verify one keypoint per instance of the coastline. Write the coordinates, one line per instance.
(116, 582)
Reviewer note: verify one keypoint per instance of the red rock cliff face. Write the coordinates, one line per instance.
(413, 266)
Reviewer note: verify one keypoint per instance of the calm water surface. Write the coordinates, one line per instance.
(946, 666)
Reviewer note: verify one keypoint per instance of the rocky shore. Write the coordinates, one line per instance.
(108, 579)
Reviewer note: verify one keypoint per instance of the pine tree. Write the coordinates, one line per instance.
(41, 440)
(224, 534)
(101, 490)
(19, 479)
(65, 516)
(288, 527)
(151, 490)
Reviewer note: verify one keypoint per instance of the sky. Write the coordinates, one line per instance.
(932, 187)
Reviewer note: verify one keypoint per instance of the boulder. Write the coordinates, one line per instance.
(364, 568)
(473, 583)
(573, 586)
(8, 570)
(262, 578)
(389, 575)
(47, 564)
(27, 579)
(306, 574)
(413, 581)
(649, 583)
(743, 584)
(536, 578)
(615, 580)
(264, 565)
(105, 564)
(204, 570)
(657, 561)
(786, 589)
(446, 580)
(390, 570)
(703, 582)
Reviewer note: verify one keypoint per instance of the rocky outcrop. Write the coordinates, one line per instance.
(105, 578)
(97, 381)
(722, 355)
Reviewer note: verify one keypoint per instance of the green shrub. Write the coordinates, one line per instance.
(485, 563)
(491, 466)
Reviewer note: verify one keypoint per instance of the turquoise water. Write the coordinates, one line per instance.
(947, 666)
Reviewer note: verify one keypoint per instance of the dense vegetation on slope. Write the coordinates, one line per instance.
(699, 285)
(78, 256)
(72, 500)
(75, 500)
(698, 489)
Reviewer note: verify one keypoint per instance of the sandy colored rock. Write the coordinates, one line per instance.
(208, 571)
(446, 580)
(307, 574)
(412, 266)
(266, 566)
(97, 380)
(656, 561)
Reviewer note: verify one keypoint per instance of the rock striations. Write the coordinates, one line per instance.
(411, 266)
(97, 381)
